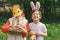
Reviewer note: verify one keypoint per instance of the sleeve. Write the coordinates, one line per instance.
(5, 27)
(27, 28)
(44, 29)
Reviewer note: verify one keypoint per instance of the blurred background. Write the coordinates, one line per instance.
(50, 12)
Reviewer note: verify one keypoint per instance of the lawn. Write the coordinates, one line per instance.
(53, 31)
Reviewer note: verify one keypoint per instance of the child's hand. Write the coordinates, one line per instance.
(42, 34)
(22, 28)
(32, 33)
(39, 34)
(10, 29)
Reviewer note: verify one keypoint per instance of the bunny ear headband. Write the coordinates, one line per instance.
(37, 7)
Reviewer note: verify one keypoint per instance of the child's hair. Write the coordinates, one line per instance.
(17, 5)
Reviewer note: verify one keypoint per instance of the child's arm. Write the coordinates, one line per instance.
(42, 34)
(5, 27)
(32, 33)
(27, 29)
(22, 28)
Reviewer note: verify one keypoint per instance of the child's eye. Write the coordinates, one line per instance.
(18, 11)
(13, 12)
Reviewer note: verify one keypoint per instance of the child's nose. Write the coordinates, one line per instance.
(35, 15)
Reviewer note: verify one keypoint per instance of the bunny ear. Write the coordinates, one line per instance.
(37, 5)
(32, 5)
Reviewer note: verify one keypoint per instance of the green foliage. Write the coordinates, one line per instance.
(53, 31)
(2, 35)
(3, 20)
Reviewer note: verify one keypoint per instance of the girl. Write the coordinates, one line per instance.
(37, 29)
(17, 26)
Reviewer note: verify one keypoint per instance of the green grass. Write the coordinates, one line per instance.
(2, 36)
(53, 31)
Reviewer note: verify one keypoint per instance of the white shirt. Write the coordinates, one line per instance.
(40, 27)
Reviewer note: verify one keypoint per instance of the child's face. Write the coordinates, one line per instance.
(17, 12)
(36, 15)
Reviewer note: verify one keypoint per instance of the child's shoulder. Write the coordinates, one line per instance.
(31, 23)
(42, 24)
(10, 18)
(25, 19)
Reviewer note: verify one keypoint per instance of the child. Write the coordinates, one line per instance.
(17, 26)
(37, 29)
